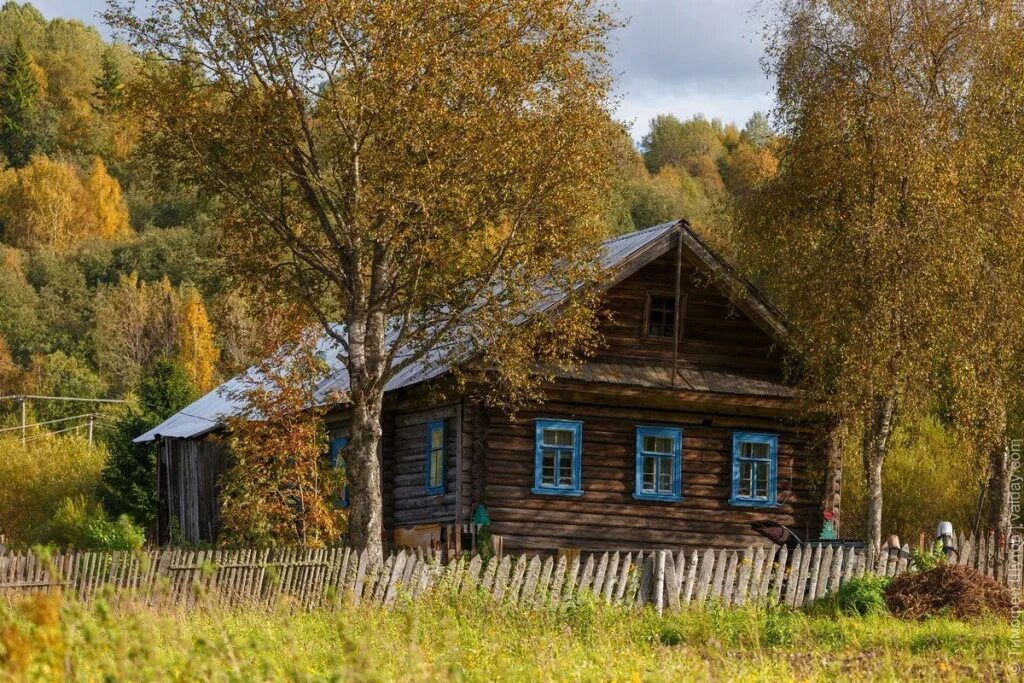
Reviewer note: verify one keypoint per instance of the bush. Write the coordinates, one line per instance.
(930, 474)
(82, 524)
(860, 596)
(35, 479)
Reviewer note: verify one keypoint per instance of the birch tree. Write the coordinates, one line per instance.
(859, 235)
(407, 169)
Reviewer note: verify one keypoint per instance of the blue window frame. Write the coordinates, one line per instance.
(435, 457)
(659, 463)
(755, 469)
(558, 461)
(334, 460)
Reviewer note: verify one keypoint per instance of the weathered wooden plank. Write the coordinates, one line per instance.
(602, 568)
(793, 575)
(746, 567)
(544, 582)
(624, 574)
(707, 567)
(516, 582)
(721, 565)
(659, 581)
(501, 578)
(558, 580)
(530, 582)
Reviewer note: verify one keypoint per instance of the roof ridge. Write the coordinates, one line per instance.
(628, 235)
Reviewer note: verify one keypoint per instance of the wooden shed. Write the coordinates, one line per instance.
(681, 431)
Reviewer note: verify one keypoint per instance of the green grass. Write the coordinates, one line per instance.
(470, 638)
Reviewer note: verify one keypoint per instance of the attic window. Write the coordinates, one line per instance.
(661, 316)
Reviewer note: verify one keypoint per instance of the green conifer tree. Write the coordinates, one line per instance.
(109, 93)
(19, 99)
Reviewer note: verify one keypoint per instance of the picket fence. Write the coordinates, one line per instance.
(330, 578)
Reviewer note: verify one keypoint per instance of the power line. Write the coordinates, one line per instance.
(24, 397)
(49, 422)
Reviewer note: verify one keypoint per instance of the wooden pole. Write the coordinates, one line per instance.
(675, 318)
(24, 422)
(91, 419)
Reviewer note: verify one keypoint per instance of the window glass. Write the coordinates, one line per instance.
(557, 469)
(755, 463)
(435, 457)
(658, 463)
(661, 316)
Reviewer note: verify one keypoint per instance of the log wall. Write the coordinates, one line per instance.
(607, 515)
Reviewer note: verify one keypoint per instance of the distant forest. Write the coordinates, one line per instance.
(109, 265)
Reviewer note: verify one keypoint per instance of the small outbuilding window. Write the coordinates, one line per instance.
(755, 463)
(659, 463)
(334, 460)
(558, 458)
(435, 457)
(661, 316)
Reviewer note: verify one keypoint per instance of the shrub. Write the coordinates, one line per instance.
(930, 474)
(37, 477)
(860, 596)
(83, 525)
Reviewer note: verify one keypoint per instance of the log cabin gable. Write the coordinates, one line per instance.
(712, 331)
(718, 335)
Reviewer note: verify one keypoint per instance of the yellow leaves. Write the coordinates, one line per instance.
(111, 212)
(43, 204)
(196, 348)
(46, 203)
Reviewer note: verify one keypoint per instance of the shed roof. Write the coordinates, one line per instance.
(621, 257)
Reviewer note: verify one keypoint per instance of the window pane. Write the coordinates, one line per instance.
(437, 438)
(761, 479)
(665, 476)
(746, 484)
(547, 466)
(436, 468)
(648, 480)
(658, 444)
(661, 316)
(565, 469)
(750, 449)
(558, 437)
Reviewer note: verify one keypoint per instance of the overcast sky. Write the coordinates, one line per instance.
(683, 57)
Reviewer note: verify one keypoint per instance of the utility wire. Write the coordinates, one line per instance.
(23, 397)
(48, 422)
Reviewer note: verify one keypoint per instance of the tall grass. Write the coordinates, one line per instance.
(37, 478)
(470, 638)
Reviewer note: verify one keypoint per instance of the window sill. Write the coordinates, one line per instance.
(658, 497)
(434, 492)
(739, 502)
(572, 493)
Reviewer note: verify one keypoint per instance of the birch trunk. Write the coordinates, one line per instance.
(999, 483)
(874, 448)
(363, 466)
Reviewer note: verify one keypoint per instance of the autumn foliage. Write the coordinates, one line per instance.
(279, 490)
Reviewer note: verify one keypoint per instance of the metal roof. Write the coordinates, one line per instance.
(621, 256)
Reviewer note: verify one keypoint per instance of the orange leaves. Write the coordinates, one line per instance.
(279, 490)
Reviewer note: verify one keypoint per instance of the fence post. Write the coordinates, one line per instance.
(659, 582)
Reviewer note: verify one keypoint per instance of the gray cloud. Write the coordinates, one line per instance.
(690, 56)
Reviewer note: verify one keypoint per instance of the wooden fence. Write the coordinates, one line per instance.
(333, 577)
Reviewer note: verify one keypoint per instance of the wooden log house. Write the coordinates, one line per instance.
(680, 432)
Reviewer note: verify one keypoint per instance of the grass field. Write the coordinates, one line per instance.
(472, 639)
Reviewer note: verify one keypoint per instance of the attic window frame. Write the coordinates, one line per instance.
(645, 333)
